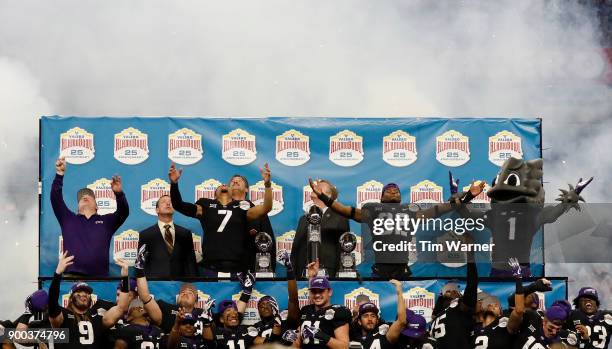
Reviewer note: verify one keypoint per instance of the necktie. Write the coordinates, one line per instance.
(168, 238)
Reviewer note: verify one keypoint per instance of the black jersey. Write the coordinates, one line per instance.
(239, 337)
(375, 339)
(84, 331)
(452, 329)
(140, 337)
(195, 342)
(599, 326)
(405, 342)
(493, 336)
(370, 212)
(531, 334)
(264, 329)
(226, 237)
(169, 312)
(326, 319)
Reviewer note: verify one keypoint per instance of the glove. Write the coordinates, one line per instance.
(207, 314)
(516, 268)
(454, 184)
(28, 305)
(290, 336)
(540, 286)
(141, 259)
(313, 332)
(247, 281)
(582, 184)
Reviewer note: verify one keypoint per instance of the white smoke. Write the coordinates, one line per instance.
(517, 58)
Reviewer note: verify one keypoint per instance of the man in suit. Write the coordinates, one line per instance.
(332, 226)
(169, 246)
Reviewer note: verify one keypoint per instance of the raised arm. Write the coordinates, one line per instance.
(247, 281)
(56, 318)
(346, 211)
(57, 197)
(123, 209)
(150, 305)
(293, 306)
(259, 211)
(188, 209)
(175, 333)
(457, 202)
(471, 288)
(516, 317)
(398, 325)
(115, 313)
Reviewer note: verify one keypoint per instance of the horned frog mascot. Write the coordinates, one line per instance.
(518, 212)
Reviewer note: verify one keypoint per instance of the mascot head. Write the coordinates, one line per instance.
(518, 181)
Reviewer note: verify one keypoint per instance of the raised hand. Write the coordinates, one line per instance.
(141, 257)
(207, 314)
(581, 185)
(313, 269)
(247, 281)
(543, 285)
(64, 262)
(265, 173)
(290, 336)
(454, 184)
(476, 189)
(116, 185)
(397, 284)
(516, 267)
(315, 187)
(123, 265)
(174, 174)
(60, 166)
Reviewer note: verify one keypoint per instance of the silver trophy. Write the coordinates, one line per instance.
(263, 260)
(314, 239)
(348, 243)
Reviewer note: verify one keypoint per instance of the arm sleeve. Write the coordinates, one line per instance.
(54, 290)
(471, 288)
(185, 208)
(123, 210)
(57, 199)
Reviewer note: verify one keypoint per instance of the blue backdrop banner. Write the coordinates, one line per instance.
(358, 155)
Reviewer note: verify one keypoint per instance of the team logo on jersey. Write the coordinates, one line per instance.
(239, 147)
(369, 191)
(105, 197)
(206, 189)
(151, 192)
(251, 314)
(504, 145)
(359, 296)
(452, 148)
(257, 191)
(303, 297)
(131, 146)
(77, 146)
(292, 148)
(284, 243)
(420, 301)
(452, 259)
(185, 147)
(306, 199)
(346, 148)
(125, 246)
(66, 299)
(399, 149)
(426, 192)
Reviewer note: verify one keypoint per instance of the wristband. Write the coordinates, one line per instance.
(325, 199)
(125, 284)
(148, 301)
(519, 286)
(244, 297)
(139, 273)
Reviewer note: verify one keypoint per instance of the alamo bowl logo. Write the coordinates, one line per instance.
(426, 192)
(306, 199)
(206, 189)
(105, 197)
(66, 299)
(420, 301)
(125, 246)
(292, 148)
(399, 149)
(346, 148)
(504, 145)
(359, 296)
(131, 146)
(251, 314)
(151, 192)
(284, 243)
(452, 148)
(77, 146)
(239, 147)
(369, 191)
(185, 147)
(303, 297)
(257, 191)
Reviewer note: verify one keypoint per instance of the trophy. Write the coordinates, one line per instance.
(263, 261)
(346, 269)
(314, 238)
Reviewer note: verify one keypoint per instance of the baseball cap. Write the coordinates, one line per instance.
(368, 308)
(225, 304)
(416, 325)
(587, 292)
(81, 286)
(39, 300)
(563, 304)
(319, 282)
(556, 313)
(85, 191)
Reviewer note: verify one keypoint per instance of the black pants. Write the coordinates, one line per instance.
(391, 271)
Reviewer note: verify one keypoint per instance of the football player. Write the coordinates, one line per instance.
(544, 332)
(223, 220)
(85, 327)
(414, 335)
(593, 324)
(231, 334)
(377, 335)
(270, 327)
(139, 332)
(183, 334)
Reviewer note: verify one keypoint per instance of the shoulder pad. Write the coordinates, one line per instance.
(252, 331)
(503, 322)
(608, 318)
(383, 329)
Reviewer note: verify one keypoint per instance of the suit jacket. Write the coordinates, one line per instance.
(332, 226)
(159, 262)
